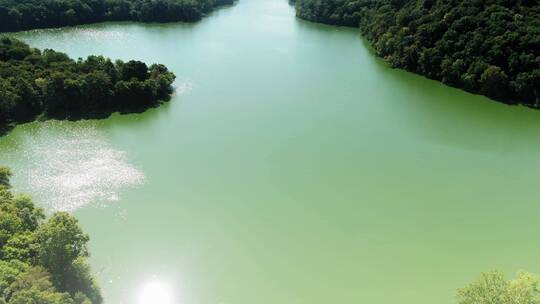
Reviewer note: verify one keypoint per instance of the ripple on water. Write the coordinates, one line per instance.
(66, 166)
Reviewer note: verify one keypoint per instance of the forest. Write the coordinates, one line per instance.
(41, 260)
(17, 15)
(490, 47)
(48, 84)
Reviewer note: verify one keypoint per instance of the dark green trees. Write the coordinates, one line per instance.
(41, 261)
(336, 12)
(51, 84)
(18, 15)
(490, 47)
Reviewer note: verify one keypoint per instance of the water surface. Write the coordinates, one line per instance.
(292, 166)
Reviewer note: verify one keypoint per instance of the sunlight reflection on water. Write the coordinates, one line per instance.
(65, 166)
(156, 292)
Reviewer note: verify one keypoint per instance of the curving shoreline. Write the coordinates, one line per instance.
(488, 49)
(20, 15)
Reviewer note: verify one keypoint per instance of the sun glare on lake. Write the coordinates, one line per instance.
(156, 292)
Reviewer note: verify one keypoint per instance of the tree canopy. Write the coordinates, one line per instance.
(51, 85)
(16, 15)
(41, 261)
(491, 47)
(494, 288)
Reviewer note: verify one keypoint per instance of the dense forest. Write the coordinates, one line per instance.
(490, 47)
(41, 261)
(49, 84)
(16, 15)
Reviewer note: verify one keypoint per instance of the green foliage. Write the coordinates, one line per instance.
(34, 286)
(62, 250)
(494, 82)
(16, 15)
(60, 242)
(493, 288)
(488, 47)
(5, 175)
(51, 84)
(336, 12)
(42, 262)
(34, 296)
(81, 283)
(9, 271)
(21, 247)
(17, 215)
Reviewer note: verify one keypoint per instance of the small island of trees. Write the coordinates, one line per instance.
(48, 84)
(487, 47)
(41, 261)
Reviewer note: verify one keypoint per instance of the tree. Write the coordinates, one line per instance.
(8, 99)
(29, 105)
(98, 90)
(493, 288)
(5, 175)
(20, 247)
(81, 282)
(9, 271)
(134, 69)
(30, 215)
(60, 242)
(41, 263)
(34, 286)
(494, 82)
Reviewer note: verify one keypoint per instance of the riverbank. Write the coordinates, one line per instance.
(18, 15)
(489, 49)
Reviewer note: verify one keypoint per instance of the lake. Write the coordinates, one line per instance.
(291, 166)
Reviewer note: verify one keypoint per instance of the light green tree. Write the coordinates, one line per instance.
(60, 242)
(493, 288)
(34, 286)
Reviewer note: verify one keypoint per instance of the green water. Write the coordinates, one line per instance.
(292, 166)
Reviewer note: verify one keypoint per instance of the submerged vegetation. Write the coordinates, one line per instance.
(16, 15)
(49, 84)
(490, 47)
(41, 261)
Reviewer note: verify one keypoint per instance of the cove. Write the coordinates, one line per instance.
(292, 166)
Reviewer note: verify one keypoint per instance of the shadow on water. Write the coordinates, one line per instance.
(139, 121)
(320, 27)
(135, 119)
